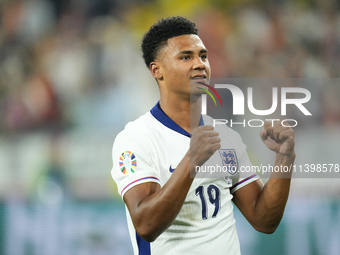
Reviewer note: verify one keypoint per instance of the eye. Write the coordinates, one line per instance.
(186, 58)
(204, 56)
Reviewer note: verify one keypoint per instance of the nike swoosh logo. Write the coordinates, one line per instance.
(171, 169)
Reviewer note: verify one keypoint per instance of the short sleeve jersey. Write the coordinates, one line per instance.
(148, 150)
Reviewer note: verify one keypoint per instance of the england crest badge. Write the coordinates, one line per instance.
(229, 160)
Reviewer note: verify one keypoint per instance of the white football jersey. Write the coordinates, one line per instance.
(148, 150)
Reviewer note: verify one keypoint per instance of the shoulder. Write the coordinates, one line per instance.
(140, 127)
(141, 124)
(141, 135)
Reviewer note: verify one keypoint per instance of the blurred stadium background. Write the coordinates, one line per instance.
(71, 77)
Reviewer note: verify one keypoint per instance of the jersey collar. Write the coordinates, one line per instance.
(158, 113)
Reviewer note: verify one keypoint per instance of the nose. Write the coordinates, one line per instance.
(199, 64)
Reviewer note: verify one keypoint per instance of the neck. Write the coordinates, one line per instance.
(186, 113)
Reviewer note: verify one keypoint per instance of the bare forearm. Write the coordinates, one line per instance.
(152, 208)
(270, 206)
(264, 206)
(156, 213)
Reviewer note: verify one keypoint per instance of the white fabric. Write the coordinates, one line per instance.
(157, 147)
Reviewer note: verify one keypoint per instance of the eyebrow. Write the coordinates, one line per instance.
(191, 52)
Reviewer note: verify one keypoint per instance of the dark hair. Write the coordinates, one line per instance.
(163, 30)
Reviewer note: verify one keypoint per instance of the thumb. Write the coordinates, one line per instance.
(263, 135)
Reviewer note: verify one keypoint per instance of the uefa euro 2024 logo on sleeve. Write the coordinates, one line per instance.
(127, 162)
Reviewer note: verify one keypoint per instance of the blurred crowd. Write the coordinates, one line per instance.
(78, 63)
(74, 68)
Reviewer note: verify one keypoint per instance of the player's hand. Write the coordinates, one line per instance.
(278, 138)
(204, 142)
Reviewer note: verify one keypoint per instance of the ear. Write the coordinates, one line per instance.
(156, 70)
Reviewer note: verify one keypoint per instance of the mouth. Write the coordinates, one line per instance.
(198, 77)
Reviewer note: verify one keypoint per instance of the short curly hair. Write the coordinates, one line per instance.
(163, 30)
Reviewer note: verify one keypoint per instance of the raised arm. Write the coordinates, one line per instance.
(153, 208)
(263, 206)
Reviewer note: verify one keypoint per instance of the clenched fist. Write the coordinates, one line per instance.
(204, 142)
(278, 138)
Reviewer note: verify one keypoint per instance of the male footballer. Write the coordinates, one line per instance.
(156, 156)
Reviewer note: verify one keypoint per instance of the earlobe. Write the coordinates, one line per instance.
(155, 71)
